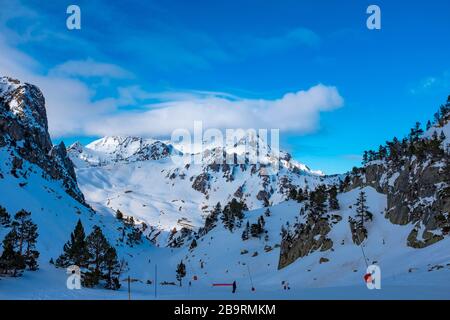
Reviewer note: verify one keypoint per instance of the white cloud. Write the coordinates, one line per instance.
(297, 112)
(89, 68)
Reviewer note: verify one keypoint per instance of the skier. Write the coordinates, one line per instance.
(234, 286)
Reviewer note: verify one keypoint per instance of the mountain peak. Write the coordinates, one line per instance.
(24, 102)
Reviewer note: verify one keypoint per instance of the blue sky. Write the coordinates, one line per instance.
(136, 65)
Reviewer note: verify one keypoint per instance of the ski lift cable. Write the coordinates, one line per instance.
(362, 250)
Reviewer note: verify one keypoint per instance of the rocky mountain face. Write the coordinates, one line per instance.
(418, 193)
(24, 133)
(413, 174)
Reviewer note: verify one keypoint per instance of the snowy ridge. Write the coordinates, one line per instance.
(110, 150)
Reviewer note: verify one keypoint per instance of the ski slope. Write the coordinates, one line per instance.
(405, 271)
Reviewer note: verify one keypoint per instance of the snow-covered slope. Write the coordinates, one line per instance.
(138, 177)
(222, 257)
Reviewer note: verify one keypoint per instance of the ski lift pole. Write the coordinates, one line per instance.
(251, 280)
(129, 280)
(129, 288)
(156, 280)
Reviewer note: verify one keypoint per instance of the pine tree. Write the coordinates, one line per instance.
(365, 158)
(112, 269)
(227, 219)
(31, 255)
(97, 247)
(181, 272)
(134, 236)
(233, 213)
(394, 149)
(211, 219)
(24, 237)
(415, 133)
(217, 211)
(256, 229)
(292, 194)
(103, 262)
(11, 261)
(266, 202)
(75, 250)
(5, 218)
(193, 244)
(317, 199)
(382, 152)
(437, 118)
(362, 210)
(267, 213)
(246, 232)
(444, 112)
(332, 198)
(237, 208)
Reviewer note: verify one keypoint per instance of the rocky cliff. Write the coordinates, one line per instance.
(24, 133)
(417, 193)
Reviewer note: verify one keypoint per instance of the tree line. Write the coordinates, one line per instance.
(414, 144)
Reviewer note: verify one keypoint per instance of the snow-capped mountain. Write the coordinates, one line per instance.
(139, 177)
